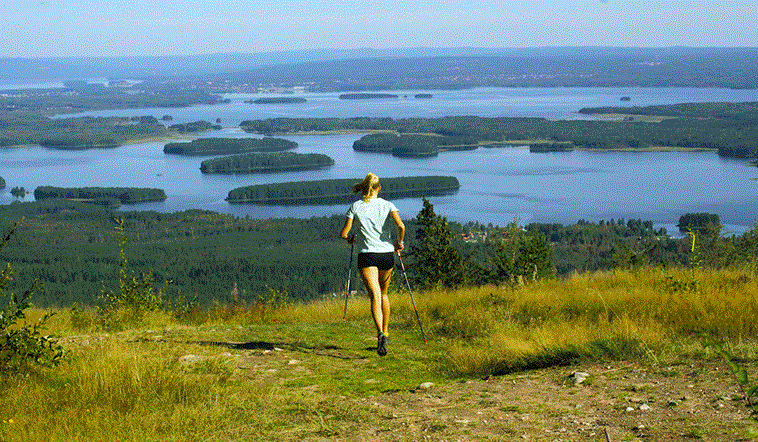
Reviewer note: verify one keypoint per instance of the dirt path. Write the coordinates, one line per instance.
(615, 403)
(697, 400)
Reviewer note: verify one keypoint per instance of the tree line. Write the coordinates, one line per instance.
(339, 190)
(86, 97)
(126, 195)
(194, 127)
(225, 146)
(266, 162)
(543, 67)
(18, 129)
(73, 249)
(277, 100)
(366, 96)
(405, 145)
(731, 129)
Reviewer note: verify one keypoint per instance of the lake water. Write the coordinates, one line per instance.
(498, 185)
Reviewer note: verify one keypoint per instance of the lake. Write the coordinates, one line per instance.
(498, 185)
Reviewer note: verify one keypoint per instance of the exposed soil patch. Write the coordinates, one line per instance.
(626, 401)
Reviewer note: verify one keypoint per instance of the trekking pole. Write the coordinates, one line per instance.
(412, 300)
(349, 278)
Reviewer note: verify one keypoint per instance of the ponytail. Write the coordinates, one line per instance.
(367, 186)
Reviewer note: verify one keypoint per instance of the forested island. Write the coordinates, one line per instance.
(277, 100)
(266, 162)
(194, 127)
(223, 146)
(338, 191)
(101, 195)
(729, 128)
(701, 223)
(2, 183)
(19, 129)
(551, 147)
(366, 96)
(413, 145)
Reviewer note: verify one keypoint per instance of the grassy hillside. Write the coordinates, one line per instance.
(498, 357)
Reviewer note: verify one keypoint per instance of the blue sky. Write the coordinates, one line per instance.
(45, 28)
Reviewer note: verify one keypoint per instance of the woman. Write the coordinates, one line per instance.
(376, 253)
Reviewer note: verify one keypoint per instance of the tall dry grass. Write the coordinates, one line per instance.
(119, 387)
(617, 314)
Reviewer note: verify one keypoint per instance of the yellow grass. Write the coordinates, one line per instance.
(127, 385)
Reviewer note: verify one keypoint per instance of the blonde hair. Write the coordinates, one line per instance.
(367, 186)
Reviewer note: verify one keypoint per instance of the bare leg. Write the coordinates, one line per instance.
(370, 277)
(384, 283)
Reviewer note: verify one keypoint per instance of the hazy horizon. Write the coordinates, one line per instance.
(69, 28)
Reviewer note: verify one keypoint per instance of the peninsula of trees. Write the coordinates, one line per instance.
(83, 97)
(339, 191)
(18, 129)
(266, 162)
(413, 145)
(101, 195)
(729, 128)
(225, 146)
(194, 127)
(2, 183)
(700, 222)
(366, 96)
(551, 147)
(277, 100)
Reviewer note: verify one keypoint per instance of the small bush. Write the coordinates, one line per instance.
(22, 344)
(137, 295)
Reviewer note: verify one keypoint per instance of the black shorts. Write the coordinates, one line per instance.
(384, 261)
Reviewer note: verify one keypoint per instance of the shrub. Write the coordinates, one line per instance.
(136, 296)
(22, 344)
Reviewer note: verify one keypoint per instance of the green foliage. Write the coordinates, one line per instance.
(2, 183)
(260, 163)
(194, 127)
(18, 192)
(70, 246)
(75, 133)
(101, 195)
(435, 261)
(277, 100)
(339, 190)
(704, 223)
(95, 97)
(748, 387)
(551, 147)
(366, 96)
(519, 257)
(730, 129)
(22, 344)
(414, 145)
(221, 146)
(136, 296)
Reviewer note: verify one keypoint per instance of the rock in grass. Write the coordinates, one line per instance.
(190, 359)
(578, 377)
(425, 386)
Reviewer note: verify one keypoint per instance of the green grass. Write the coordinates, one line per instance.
(301, 372)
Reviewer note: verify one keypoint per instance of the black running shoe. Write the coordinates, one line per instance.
(381, 344)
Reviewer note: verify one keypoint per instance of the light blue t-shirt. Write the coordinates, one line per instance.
(373, 237)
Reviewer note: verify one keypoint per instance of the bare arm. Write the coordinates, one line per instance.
(344, 234)
(400, 231)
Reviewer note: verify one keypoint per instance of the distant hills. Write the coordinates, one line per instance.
(430, 68)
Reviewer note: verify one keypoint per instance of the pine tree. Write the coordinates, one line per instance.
(435, 261)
